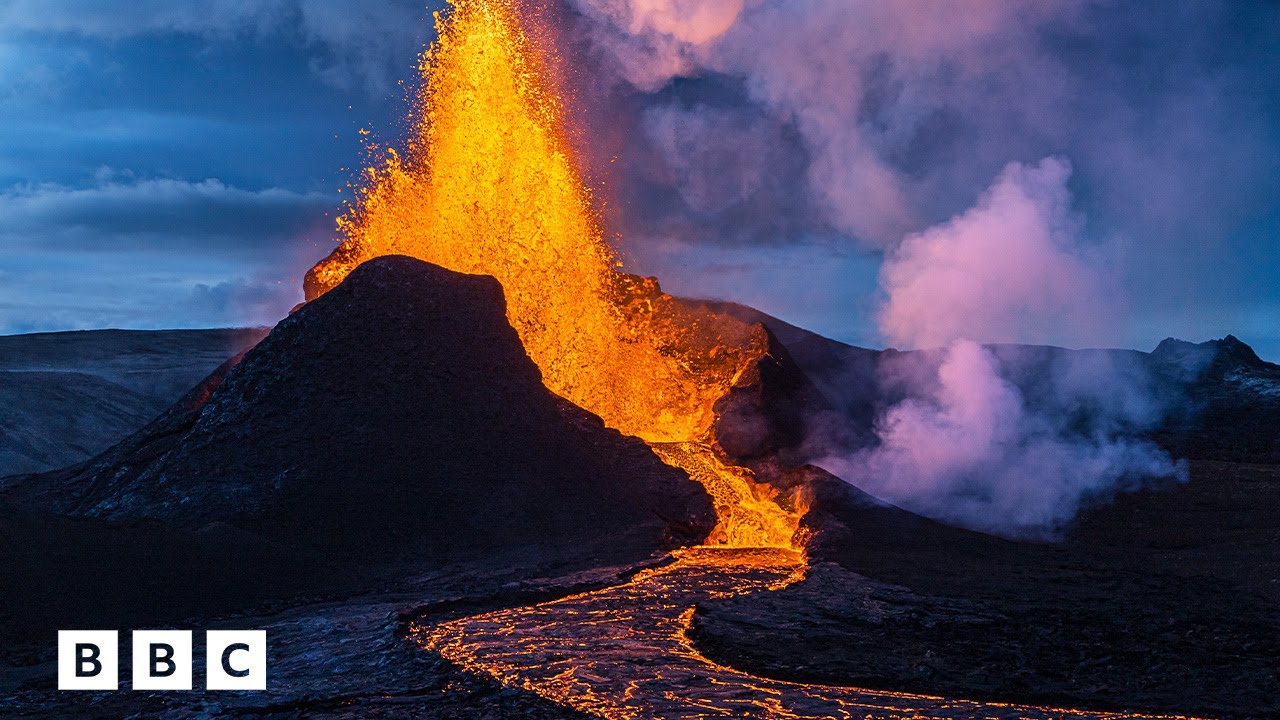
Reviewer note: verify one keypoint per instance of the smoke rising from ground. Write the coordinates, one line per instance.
(903, 113)
(967, 445)
(971, 451)
(1011, 269)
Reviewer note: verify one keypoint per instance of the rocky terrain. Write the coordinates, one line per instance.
(1210, 400)
(1162, 599)
(387, 463)
(406, 390)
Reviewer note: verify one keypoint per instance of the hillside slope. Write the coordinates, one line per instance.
(67, 396)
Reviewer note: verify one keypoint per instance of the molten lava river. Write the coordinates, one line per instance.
(489, 184)
(624, 652)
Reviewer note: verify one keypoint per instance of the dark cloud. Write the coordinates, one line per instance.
(239, 123)
(124, 251)
(240, 299)
(139, 290)
(682, 180)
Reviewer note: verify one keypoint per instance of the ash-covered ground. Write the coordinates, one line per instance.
(1164, 600)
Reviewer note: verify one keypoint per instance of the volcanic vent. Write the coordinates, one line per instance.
(489, 186)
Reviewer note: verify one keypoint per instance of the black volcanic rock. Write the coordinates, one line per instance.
(767, 412)
(52, 419)
(1230, 400)
(1163, 600)
(1227, 354)
(1217, 400)
(398, 414)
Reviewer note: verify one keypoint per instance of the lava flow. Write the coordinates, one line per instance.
(489, 185)
(624, 652)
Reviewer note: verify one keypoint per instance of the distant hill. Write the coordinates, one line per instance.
(66, 396)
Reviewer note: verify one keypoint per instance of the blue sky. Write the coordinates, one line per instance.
(170, 172)
(178, 164)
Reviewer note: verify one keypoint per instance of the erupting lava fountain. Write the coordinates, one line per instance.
(489, 185)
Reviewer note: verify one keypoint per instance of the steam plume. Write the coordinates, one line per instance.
(967, 445)
(864, 121)
(857, 80)
(1008, 270)
(891, 105)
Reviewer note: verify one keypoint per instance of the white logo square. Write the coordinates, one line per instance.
(161, 659)
(236, 660)
(88, 660)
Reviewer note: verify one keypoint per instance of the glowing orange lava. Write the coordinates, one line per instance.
(489, 186)
(624, 652)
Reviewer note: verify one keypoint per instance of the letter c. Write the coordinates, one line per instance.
(226, 660)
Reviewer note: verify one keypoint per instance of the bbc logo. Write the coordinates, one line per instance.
(162, 660)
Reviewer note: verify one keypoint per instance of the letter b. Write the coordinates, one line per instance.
(87, 663)
(161, 659)
(88, 660)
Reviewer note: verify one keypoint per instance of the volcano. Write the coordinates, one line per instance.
(383, 432)
(484, 472)
(403, 390)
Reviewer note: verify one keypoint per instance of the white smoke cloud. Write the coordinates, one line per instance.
(905, 111)
(901, 112)
(656, 40)
(695, 23)
(967, 445)
(824, 64)
(1009, 270)
(970, 451)
(710, 175)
